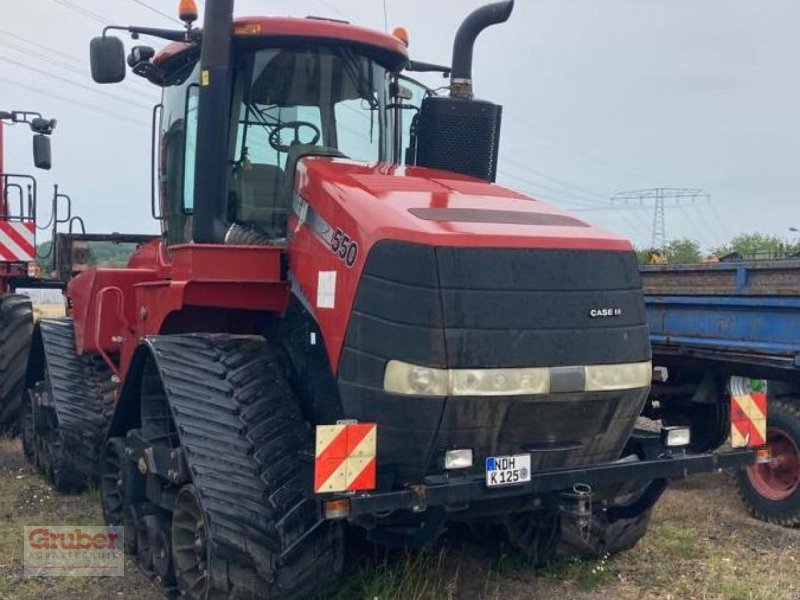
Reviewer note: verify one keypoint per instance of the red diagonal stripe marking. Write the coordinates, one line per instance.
(755, 437)
(6, 254)
(324, 464)
(365, 479)
(15, 235)
(760, 400)
(356, 434)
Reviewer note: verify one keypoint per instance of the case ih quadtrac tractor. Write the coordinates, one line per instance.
(345, 324)
(17, 255)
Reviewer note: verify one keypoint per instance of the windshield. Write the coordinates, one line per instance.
(296, 102)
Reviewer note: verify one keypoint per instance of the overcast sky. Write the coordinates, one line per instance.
(600, 96)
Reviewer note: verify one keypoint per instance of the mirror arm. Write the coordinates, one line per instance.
(173, 35)
(423, 67)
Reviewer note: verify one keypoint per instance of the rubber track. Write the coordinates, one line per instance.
(242, 429)
(16, 332)
(82, 393)
(603, 537)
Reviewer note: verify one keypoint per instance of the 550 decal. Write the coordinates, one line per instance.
(343, 246)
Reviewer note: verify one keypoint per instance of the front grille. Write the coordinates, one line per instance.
(492, 308)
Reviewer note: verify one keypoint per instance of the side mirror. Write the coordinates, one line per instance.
(107, 57)
(41, 152)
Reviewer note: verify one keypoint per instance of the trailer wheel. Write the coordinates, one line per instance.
(772, 491)
(16, 331)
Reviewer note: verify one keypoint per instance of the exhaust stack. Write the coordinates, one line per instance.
(212, 123)
(473, 25)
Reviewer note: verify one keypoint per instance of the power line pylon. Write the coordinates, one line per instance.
(660, 197)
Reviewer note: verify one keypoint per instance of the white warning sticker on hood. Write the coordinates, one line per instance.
(326, 289)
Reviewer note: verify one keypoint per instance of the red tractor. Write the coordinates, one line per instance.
(344, 324)
(17, 266)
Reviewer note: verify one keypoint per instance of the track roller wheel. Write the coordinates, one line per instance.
(48, 445)
(16, 331)
(120, 483)
(190, 547)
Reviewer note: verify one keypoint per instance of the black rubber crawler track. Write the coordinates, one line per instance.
(603, 536)
(16, 331)
(81, 392)
(242, 429)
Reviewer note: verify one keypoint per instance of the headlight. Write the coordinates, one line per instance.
(416, 380)
(602, 378)
(403, 378)
(499, 382)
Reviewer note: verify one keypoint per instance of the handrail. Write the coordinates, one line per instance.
(99, 320)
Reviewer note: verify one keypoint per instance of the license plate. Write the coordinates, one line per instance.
(508, 470)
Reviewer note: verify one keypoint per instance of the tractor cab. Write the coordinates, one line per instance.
(300, 87)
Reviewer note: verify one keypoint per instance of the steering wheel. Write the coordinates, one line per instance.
(275, 134)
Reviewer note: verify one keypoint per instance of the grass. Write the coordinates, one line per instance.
(701, 546)
(423, 576)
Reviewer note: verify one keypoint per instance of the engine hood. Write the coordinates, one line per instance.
(432, 207)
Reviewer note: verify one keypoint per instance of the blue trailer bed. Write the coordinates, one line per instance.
(744, 315)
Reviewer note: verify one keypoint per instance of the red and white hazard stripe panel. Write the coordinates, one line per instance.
(345, 457)
(17, 241)
(749, 419)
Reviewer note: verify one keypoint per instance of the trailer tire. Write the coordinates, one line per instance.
(772, 492)
(16, 332)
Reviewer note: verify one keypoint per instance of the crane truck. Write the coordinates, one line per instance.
(17, 256)
(345, 324)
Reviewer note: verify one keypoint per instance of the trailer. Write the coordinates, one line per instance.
(728, 337)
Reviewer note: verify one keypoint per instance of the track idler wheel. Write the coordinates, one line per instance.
(190, 546)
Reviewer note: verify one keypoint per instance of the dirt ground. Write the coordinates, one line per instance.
(701, 545)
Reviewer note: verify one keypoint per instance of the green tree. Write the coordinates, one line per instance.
(683, 251)
(758, 245)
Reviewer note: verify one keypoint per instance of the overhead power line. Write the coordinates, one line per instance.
(75, 83)
(86, 105)
(155, 10)
(61, 58)
(659, 197)
(63, 65)
(81, 10)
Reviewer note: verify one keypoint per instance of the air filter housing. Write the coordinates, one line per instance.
(459, 135)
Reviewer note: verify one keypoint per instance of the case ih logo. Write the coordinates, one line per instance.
(605, 312)
(82, 551)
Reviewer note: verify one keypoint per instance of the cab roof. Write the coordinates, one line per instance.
(386, 49)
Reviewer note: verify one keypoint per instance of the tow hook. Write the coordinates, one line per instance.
(577, 504)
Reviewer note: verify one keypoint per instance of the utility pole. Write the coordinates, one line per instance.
(660, 198)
